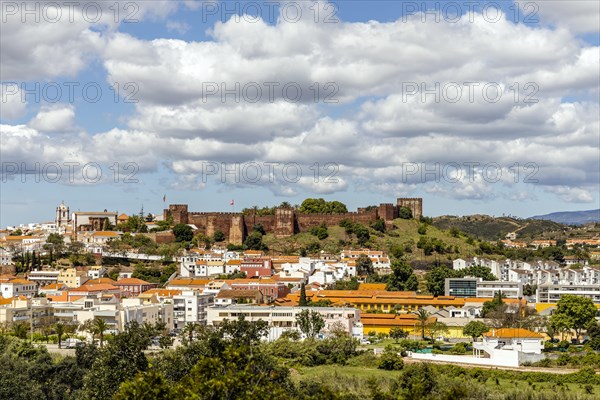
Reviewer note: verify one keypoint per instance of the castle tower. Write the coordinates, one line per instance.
(62, 215)
(414, 204)
(236, 231)
(179, 212)
(285, 222)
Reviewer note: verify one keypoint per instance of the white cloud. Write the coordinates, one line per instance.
(13, 105)
(179, 27)
(572, 194)
(59, 119)
(372, 134)
(580, 16)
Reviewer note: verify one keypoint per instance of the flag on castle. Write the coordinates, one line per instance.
(231, 203)
(164, 198)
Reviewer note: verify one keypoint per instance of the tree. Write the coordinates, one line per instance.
(20, 330)
(59, 329)
(435, 329)
(320, 206)
(593, 331)
(310, 322)
(390, 359)
(254, 241)
(398, 333)
(320, 232)
(219, 236)
(259, 228)
(379, 225)
(575, 312)
(183, 233)
(405, 213)
(242, 332)
(478, 271)
(422, 316)
(493, 305)
(303, 301)
(475, 329)
(189, 331)
(149, 385)
(98, 327)
(436, 279)
(362, 234)
(402, 277)
(55, 245)
(422, 229)
(364, 265)
(120, 360)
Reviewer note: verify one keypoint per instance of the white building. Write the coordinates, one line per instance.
(505, 347)
(549, 293)
(96, 272)
(17, 287)
(43, 277)
(281, 319)
(191, 306)
(118, 315)
(510, 290)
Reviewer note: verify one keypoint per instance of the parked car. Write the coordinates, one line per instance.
(71, 343)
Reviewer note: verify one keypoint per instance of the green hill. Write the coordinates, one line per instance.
(489, 228)
(399, 240)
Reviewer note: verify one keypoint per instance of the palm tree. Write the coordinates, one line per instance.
(60, 329)
(99, 326)
(189, 330)
(20, 330)
(422, 316)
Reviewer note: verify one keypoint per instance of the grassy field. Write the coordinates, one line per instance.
(359, 381)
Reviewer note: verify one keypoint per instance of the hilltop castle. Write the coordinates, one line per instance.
(286, 221)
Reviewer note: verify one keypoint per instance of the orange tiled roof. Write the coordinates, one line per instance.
(188, 282)
(53, 286)
(131, 281)
(372, 286)
(106, 234)
(162, 292)
(21, 281)
(107, 281)
(513, 333)
(4, 301)
(94, 288)
(407, 320)
(63, 297)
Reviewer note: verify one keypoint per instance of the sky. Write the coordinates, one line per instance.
(477, 107)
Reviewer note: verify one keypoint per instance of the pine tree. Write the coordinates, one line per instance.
(303, 302)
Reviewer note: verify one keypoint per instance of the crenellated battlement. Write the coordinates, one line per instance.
(286, 221)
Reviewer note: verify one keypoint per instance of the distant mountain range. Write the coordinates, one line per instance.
(572, 217)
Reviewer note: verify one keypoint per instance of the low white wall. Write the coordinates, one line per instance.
(510, 359)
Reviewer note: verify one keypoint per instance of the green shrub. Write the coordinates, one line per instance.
(391, 360)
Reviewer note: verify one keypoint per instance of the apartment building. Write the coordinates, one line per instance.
(510, 290)
(550, 293)
(191, 307)
(281, 319)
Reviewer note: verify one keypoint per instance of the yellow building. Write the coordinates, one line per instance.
(72, 278)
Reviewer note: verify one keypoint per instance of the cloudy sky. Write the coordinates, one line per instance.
(114, 105)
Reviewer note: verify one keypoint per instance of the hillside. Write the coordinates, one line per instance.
(571, 217)
(401, 239)
(489, 228)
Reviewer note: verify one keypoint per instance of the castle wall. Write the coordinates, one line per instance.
(307, 221)
(286, 221)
